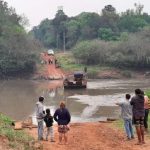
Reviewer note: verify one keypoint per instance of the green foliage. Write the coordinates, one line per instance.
(68, 62)
(119, 124)
(131, 23)
(147, 92)
(133, 52)
(65, 32)
(16, 138)
(100, 39)
(106, 34)
(5, 120)
(17, 49)
(91, 52)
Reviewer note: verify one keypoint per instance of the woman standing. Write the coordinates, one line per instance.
(62, 117)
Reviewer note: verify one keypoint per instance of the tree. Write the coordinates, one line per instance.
(60, 28)
(109, 18)
(105, 34)
(138, 9)
(73, 32)
(131, 23)
(89, 25)
(17, 55)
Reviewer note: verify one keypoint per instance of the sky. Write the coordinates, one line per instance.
(38, 10)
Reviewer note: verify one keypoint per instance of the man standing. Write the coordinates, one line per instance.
(40, 116)
(137, 102)
(126, 114)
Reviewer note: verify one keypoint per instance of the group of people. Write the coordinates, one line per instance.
(134, 111)
(61, 116)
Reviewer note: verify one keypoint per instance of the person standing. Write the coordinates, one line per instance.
(48, 119)
(146, 108)
(40, 116)
(126, 114)
(62, 117)
(137, 102)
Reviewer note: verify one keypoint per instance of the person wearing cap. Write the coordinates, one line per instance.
(40, 117)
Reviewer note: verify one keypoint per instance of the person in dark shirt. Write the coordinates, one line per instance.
(137, 102)
(48, 119)
(62, 117)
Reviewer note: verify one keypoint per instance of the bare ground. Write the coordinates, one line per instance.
(94, 136)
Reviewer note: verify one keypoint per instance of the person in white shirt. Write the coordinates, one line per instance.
(40, 117)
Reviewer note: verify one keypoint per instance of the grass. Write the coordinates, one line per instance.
(120, 124)
(68, 63)
(147, 92)
(17, 139)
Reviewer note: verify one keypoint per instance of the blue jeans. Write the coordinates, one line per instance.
(128, 128)
(40, 130)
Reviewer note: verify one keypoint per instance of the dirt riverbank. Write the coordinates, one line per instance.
(94, 136)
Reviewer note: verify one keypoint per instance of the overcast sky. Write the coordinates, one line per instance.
(37, 10)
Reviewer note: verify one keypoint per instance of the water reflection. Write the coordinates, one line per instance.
(18, 97)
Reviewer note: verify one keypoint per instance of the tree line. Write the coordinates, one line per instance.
(17, 48)
(64, 32)
(118, 40)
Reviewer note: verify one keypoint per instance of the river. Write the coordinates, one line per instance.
(97, 102)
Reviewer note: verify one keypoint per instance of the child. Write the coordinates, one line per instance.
(126, 113)
(49, 124)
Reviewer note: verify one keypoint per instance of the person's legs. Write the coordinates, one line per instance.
(51, 134)
(138, 129)
(146, 119)
(142, 133)
(131, 128)
(48, 132)
(65, 138)
(126, 125)
(138, 132)
(40, 130)
(142, 129)
(60, 138)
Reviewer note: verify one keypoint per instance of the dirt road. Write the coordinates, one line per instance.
(50, 70)
(94, 136)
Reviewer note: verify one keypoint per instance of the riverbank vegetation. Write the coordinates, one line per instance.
(16, 139)
(100, 41)
(107, 39)
(17, 49)
(69, 64)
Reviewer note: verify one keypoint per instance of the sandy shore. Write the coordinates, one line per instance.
(93, 136)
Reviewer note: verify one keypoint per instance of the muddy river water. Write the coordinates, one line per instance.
(97, 102)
